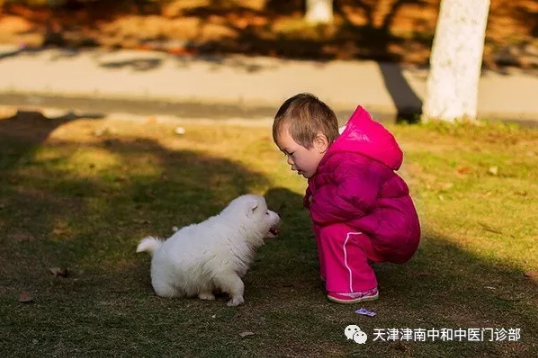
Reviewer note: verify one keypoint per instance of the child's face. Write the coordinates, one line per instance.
(304, 161)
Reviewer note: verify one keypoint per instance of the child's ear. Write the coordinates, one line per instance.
(321, 143)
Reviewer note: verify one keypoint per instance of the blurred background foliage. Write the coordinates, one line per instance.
(385, 30)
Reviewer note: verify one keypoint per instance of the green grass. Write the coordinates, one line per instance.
(74, 200)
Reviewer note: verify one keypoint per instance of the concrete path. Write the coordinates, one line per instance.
(248, 87)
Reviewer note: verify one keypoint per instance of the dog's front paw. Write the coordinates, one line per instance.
(206, 296)
(236, 301)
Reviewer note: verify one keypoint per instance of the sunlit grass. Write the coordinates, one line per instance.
(480, 186)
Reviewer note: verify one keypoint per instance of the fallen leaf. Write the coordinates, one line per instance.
(24, 297)
(490, 229)
(532, 275)
(463, 170)
(493, 170)
(59, 231)
(120, 179)
(246, 334)
(58, 272)
(446, 186)
(21, 236)
(141, 221)
(401, 346)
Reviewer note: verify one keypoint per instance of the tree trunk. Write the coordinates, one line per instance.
(319, 11)
(456, 61)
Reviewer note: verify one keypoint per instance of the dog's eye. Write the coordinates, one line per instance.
(267, 213)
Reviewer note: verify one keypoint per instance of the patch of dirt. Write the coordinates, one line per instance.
(390, 30)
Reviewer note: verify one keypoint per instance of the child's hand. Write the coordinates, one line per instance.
(307, 201)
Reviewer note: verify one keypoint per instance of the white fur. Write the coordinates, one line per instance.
(213, 255)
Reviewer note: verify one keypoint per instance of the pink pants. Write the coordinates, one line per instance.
(343, 259)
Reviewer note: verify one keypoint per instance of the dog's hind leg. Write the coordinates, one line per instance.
(205, 291)
(231, 284)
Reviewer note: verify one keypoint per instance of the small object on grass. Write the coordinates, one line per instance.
(490, 287)
(179, 130)
(490, 229)
(402, 346)
(246, 334)
(58, 272)
(175, 228)
(141, 221)
(24, 297)
(532, 275)
(365, 312)
(493, 170)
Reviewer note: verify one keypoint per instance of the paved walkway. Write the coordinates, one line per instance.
(152, 82)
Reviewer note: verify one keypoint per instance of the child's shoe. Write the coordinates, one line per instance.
(354, 297)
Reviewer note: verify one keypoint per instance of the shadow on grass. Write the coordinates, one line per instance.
(116, 204)
(90, 223)
(34, 128)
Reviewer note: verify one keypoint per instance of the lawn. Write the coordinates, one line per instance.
(77, 194)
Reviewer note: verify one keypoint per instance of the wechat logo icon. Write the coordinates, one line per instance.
(354, 333)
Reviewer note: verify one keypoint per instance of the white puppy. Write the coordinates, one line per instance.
(213, 255)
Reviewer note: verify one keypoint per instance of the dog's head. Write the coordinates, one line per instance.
(252, 215)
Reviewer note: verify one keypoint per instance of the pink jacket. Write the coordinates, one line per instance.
(355, 183)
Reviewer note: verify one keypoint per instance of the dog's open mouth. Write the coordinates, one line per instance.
(274, 230)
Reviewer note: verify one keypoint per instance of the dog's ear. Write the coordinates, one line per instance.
(252, 205)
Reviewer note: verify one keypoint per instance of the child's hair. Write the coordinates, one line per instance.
(305, 116)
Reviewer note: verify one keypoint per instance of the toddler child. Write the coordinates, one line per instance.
(360, 208)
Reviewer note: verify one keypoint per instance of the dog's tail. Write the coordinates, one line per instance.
(149, 244)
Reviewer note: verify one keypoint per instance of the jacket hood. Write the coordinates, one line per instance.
(367, 137)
